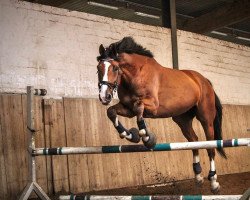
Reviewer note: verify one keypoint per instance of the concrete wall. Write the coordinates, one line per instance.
(56, 49)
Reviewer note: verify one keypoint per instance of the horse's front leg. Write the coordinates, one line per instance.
(148, 138)
(132, 134)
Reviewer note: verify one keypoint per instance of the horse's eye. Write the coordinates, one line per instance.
(115, 68)
(99, 72)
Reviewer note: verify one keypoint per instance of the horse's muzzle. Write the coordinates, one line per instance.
(106, 100)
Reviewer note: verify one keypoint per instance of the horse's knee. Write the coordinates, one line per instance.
(111, 113)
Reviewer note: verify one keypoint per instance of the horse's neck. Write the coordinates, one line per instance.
(130, 77)
(132, 66)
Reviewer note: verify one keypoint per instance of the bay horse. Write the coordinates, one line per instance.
(148, 90)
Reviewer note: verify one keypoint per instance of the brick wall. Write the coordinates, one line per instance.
(56, 49)
(225, 64)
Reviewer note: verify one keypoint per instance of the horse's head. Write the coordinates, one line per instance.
(108, 74)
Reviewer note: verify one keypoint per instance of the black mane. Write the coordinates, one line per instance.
(126, 45)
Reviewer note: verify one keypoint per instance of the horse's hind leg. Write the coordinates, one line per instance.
(212, 176)
(184, 121)
(133, 134)
(206, 117)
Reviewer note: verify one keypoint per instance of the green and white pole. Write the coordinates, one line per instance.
(160, 197)
(141, 148)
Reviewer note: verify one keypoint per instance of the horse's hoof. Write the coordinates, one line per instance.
(215, 188)
(199, 180)
(149, 140)
(135, 135)
(123, 134)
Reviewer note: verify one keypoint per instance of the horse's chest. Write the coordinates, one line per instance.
(137, 83)
(138, 89)
(129, 100)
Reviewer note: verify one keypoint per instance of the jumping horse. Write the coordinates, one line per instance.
(148, 90)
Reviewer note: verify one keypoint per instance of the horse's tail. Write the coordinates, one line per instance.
(217, 125)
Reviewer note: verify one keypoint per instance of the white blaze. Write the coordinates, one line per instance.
(105, 78)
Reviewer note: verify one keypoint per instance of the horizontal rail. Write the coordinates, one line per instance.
(141, 148)
(158, 197)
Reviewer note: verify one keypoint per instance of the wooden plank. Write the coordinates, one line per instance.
(235, 121)
(103, 134)
(3, 178)
(130, 164)
(75, 114)
(55, 134)
(14, 139)
(177, 158)
(106, 168)
(47, 120)
(152, 167)
(220, 17)
(126, 165)
(161, 127)
(241, 130)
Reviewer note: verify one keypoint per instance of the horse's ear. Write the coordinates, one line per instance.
(113, 52)
(101, 49)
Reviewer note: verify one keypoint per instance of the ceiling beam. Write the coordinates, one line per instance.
(131, 5)
(234, 32)
(229, 14)
(49, 2)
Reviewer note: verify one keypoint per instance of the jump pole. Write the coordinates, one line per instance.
(141, 148)
(158, 197)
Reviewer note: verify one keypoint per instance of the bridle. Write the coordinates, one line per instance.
(113, 86)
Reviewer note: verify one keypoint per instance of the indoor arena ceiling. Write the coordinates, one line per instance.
(223, 19)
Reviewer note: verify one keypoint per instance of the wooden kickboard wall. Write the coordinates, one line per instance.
(83, 122)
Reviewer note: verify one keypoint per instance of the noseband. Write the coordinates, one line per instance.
(113, 86)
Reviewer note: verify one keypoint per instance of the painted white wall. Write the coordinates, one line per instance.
(56, 49)
(225, 64)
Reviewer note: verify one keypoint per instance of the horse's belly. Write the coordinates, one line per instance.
(174, 101)
(165, 112)
(173, 106)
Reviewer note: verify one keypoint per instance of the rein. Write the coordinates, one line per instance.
(113, 86)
